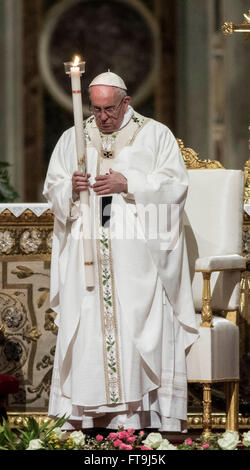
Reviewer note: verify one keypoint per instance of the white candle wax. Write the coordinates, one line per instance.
(78, 116)
(81, 154)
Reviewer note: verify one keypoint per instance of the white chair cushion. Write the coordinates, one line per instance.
(216, 263)
(215, 354)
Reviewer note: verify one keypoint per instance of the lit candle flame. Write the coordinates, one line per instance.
(76, 61)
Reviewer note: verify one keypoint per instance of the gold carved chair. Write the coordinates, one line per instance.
(213, 227)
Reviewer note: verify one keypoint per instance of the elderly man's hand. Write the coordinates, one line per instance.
(114, 182)
(80, 181)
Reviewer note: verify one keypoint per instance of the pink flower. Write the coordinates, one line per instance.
(131, 431)
(123, 435)
(125, 447)
(205, 445)
(117, 442)
(145, 448)
(112, 435)
(189, 441)
(131, 439)
(99, 437)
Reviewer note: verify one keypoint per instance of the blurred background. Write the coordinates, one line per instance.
(179, 68)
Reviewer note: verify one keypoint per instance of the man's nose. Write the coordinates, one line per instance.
(103, 115)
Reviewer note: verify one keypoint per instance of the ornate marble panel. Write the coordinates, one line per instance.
(28, 333)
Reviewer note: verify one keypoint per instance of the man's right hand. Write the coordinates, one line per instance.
(80, 181)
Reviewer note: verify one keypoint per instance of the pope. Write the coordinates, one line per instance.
(121, 348)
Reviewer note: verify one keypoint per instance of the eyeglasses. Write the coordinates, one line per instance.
(110, 111)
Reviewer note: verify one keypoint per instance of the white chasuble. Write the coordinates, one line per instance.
(120, 353)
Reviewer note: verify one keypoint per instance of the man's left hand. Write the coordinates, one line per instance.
(114, 182)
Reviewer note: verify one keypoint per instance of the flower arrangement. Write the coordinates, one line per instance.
(50, 436)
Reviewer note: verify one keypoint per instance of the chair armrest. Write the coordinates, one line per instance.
(220, 263)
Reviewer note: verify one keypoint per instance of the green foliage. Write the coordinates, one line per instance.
(7, 192)
(7, 437)
(19, 438)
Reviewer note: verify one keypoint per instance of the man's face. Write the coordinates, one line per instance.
(108, 106)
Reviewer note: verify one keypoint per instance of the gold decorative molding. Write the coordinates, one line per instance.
(31, 333)
(206, 313)
(193, 162)
(207, 410)
(229, 28)
(26, 236)
(194, 420)
(26, 218)
(232, 405)
(247, 182)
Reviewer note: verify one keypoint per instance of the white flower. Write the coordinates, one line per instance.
(78, 438)
(153, 440)
(165, 445)
(229, 440)
(246, 438)
(57, 433)
(35, 444)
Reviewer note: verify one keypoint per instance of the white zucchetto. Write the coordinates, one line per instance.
(109, 79)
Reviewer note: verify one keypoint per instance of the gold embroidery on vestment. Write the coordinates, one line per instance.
(114, 144)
